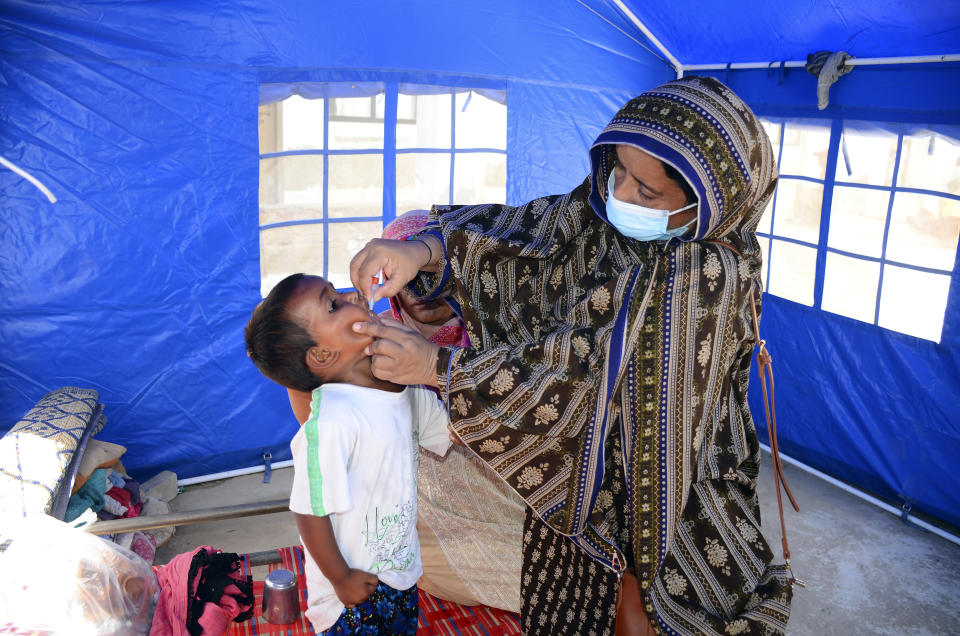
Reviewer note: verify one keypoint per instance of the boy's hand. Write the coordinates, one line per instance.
(454, 438)
(355, 587)
(352, 586)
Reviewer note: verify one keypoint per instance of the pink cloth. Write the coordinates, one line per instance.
(170, 617)
(405, 225)
(176, 591)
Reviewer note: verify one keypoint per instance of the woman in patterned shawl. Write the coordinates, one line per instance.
(608, 376)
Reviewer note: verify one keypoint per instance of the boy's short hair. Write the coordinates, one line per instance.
(277, 344)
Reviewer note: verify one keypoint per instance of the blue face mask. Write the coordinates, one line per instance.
(643, 224)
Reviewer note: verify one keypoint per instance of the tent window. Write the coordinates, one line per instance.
(891, 217)
(321, 185)
(331, 177)
(790, 228)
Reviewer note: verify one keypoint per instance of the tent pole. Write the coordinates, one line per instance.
(677, 66)
(857, 61)
(29, 177)
(915, 59)
(189, 481)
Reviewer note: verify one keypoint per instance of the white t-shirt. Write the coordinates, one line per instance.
(355, 459)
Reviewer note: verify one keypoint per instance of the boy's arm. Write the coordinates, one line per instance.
(351, 585)
(433, 423)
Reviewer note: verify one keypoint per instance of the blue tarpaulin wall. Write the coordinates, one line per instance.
(142, 118)
(867, 405)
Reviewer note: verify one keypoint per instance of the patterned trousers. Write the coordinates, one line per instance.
(562, 590)
(387, 611)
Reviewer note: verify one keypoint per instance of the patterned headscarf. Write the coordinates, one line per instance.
(702, 129)
(608, 381)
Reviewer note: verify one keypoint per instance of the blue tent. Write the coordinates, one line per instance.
(142, 118)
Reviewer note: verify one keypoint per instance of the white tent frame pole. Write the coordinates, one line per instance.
(940, 532)
(857, 61)
(683, 68)
(677, 66)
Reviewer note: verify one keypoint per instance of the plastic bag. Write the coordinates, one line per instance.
(57, 579)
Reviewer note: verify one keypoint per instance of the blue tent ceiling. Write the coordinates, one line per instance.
(707, 31)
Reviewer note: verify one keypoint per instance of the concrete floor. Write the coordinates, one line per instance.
(866, 571)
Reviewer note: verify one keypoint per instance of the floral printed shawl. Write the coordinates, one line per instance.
(607, 383)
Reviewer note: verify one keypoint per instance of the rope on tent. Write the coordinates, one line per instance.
(29, 177)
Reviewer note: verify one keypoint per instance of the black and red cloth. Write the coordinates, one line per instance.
(201, 593)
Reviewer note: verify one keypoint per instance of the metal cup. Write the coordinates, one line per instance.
(281, 600)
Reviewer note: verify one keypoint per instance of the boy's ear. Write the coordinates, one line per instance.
(320, 358)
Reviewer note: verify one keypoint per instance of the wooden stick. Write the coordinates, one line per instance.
(187, 517)
(263, 558)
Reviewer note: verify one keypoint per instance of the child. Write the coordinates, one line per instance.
(354, 492)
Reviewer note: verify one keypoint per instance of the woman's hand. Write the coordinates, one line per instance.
(399, 260)
(355, 587)
(399, 353)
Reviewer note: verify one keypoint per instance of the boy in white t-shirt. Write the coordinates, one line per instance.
(354, 492)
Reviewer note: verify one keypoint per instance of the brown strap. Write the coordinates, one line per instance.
(765, 370)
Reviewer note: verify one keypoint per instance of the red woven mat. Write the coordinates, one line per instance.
(436, 615)
(446, 617)
(292, 559)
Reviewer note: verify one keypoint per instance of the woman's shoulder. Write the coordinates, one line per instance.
(722, 264)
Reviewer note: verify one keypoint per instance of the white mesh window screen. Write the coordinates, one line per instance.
(423, 121)
(805, 147)
(422, 178)
(481, 122)
(857, 220)
(327, 166)
(480, 177)
(893, 222)
(789, 229)
(913, 302)
(792, 271)
(355, 187)
(850, 286)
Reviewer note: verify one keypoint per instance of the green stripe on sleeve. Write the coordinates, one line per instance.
(314, 476)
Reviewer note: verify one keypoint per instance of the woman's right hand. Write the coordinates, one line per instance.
(399, 260)
(355, 587)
